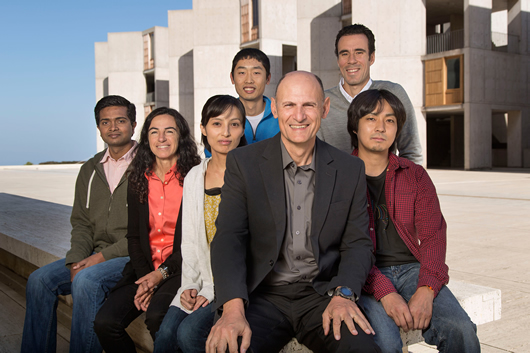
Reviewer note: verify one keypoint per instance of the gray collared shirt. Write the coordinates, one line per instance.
(296, 262)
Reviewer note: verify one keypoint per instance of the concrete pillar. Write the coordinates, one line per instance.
(477, 136)
(101, 51)
(274, 50)
(399, 46)
(519, 23)
(126, 66)
(216, 38)
(180, 38)
(318, 25)
(277, 26)
(515, 139)
(477, 24)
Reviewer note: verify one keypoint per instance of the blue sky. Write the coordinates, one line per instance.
(47, 92)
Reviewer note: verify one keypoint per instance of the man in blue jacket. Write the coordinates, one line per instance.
(250, 74)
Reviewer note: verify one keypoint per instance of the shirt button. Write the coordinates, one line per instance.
(161, 197)
(371, 228)
(299, 182)
(165, 182)
(297, 232)
(271, 262)
(158, 251)
(298, 208)
(159, 230)
(162, 239)
(298, 257)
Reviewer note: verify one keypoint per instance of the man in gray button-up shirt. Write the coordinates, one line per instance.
(292, 250)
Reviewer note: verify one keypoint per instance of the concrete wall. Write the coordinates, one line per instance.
(180, 28)
(216, 38)
(101, 51)
(317, 26)
(126, 67)
(161, 66)
(119, 71)
(277, 26)
(399, 27)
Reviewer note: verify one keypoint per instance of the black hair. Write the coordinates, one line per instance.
(145, 159)
(216, 106)
(252, 53)
(372, 101)
(356, 29)
(115, 101)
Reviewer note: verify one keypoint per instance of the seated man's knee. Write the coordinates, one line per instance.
(360, 343)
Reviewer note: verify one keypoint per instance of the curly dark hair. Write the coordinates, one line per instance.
(145, 158)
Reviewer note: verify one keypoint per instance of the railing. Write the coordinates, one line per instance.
(450, 40)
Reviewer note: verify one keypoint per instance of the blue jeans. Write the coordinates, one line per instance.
(450, 329)
(181, 332)
(89, 290)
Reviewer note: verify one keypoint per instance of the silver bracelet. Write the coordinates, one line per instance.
(163, 271)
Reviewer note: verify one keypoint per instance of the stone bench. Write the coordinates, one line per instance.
(38, 232)
(35, 233)
(482, 304)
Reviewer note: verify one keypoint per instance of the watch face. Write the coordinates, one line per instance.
(346, 291)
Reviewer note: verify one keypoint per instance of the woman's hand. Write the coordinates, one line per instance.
(191, 301)
(146, 288)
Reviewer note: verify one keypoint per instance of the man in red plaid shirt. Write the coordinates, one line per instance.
(406, 287)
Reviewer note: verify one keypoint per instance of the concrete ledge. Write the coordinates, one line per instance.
(34, 233)
(34, 230)
(39, 232)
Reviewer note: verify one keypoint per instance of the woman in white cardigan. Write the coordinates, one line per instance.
(189, 319)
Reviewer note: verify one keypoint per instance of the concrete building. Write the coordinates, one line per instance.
(465, 64)
(134, 65)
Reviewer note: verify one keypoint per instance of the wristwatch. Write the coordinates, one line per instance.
(345, 292)
(164, 271)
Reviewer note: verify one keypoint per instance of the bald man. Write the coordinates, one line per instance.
(292, 249)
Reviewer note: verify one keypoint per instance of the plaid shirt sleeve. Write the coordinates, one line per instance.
(416, 214)
(431, 231)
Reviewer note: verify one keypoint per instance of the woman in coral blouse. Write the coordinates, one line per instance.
(165, 155)
(190, 318)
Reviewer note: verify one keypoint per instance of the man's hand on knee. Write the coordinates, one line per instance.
(92, 260)
(89, 261)
(421, 307)
(229, 327)
(397, 308)
(342, 309)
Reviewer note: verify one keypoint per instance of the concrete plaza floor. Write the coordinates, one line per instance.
(488, 243)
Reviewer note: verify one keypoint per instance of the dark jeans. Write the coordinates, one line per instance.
(450, 328)
(89, 290)
(182, 332)
(277, 314)
(119, 311)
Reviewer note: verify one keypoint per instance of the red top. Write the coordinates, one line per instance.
(164, 205)
(414, 208)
